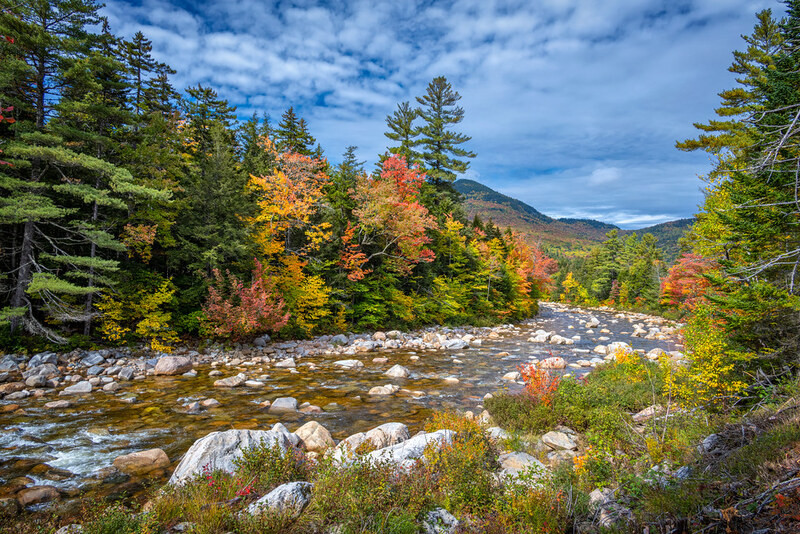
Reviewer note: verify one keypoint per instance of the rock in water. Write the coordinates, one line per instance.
(218, 450)
(283, 405)
(286, 499)
(77, 389)
(37, 495)
(397, 371)
(141, 463)
(173, 365)
(316, 437)
(231, 381)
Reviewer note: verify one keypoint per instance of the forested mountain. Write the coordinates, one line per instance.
(561, 234)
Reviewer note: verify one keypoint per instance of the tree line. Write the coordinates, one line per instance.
(133, 212)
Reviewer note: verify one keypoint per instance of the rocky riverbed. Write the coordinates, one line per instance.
(88, 423)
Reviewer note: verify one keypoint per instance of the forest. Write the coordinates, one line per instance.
(133, 212)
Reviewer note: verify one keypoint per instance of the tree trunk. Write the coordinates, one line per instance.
(23, 272)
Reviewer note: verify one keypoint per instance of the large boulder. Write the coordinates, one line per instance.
(173, 365)
(287, 499)
(406, 453)
(143, 462)
(514, 464)
(554, 362)
(218, 450)
(387, 434)
(8, 364)
(316, 437)
(37, 495)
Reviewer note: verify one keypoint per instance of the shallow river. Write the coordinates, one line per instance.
(99, 427)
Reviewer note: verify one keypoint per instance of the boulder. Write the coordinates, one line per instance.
(283, 405)
(11, 387)
(439, 521)
(387, 434)
(173, 365)
(339, 340)
(379, 336)
(286, 500)
(262, 341)
(143, 462)
(36, 381)
(57, 405)
(514, 464)
(512, 376)
(287, 363)
(126, 373)
(47, 370)
(315, 437)
(217, 450)
(497, 434)
(559, 441)
(397, 371)
(455, 344)
(8, 364)
(406, 453)
(42, 358)
(231, 381)
(37, 495)
(80, 388)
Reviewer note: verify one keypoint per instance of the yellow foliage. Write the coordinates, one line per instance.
(306, 295)
(710, 378)
(142, 312)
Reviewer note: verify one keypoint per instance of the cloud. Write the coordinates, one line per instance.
(570, 103)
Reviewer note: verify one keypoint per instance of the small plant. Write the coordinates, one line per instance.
(540, 385)
(264, 467)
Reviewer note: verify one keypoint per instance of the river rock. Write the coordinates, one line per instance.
(397, 371)
(173, 365)
(283, 405)
(36, 381)
(554, 362)
(126, 373)
(559, 441)
(37, 495)
(11, 387)
(655, 354)
(406, 453)
(287, 363)
(315, 437)
(512, 376)
(111, 387)
(231, 381)
(287, 500)
(8, 364)
(387, 434)
(439, 521)
(349, 364)
(80, 388)
(455, 344)
(47, 370)
(42, 358)
(217, 451)
(58, 405)
(339, 340)
(141, 463)
(497, 434)
(93, 358)
(388, 389)
(262, 341)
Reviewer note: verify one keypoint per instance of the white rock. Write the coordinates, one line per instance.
(397, 371)
(559, 441)
(349, 364)
(405, 454)
(387, 434)
(287, 499)
(77, 389)
(217, 451)
(316, 437)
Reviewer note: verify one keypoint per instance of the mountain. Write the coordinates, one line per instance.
(561, 234)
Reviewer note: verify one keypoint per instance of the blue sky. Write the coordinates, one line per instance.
(574, 106)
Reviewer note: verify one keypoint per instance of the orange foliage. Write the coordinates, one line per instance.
(540, 385)
(685, 285)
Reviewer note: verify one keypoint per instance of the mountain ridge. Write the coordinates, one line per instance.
(567, 234)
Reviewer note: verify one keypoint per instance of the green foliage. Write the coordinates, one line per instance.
(265, 467)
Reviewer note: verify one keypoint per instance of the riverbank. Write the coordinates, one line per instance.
(348, 385)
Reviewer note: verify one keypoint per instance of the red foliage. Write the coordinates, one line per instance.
(540, 385)
(240, 311)
(685, 286)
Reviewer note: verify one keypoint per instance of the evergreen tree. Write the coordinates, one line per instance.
(292, 135)
(140, 63)
(403, 132)
(440, 145)
(254, 135)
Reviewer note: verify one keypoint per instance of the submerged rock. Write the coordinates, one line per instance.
(283, 405)
(397, 371)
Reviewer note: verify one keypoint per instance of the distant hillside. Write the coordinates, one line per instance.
(563, 234)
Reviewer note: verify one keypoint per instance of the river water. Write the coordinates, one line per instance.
(99, 427)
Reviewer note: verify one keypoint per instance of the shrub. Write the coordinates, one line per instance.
(264, 467)
(540, 385)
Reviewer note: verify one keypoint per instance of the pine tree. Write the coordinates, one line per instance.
(140, 63)
(254, 137)
(402, 131)
(440, 145)
(292, 135)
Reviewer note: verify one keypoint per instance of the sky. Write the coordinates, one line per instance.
(573, 106)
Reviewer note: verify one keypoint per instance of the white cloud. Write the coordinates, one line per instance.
(570, 103)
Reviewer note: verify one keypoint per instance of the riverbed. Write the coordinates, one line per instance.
(78, 441)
